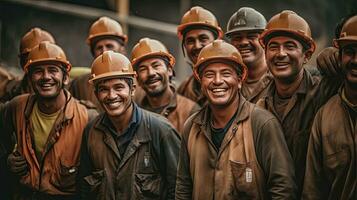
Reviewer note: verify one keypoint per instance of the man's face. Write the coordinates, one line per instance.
(107, 44)
(349, 64)
(247, 42)
(115, 96)
(285, 57)
(220, 84)
(195, 40)
(47, 80)
(153, 76)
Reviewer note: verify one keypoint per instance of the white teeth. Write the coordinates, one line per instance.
(243, 51)
(218, 90)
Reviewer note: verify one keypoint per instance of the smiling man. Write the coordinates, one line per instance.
(231, 149)
(105, 34)
(295, 95)
(127, 152)
(154, 67)
(243, 29)
(48, 126)
(198, 28)
(331, 159)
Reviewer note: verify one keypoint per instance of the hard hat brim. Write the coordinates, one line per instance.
(231, 32)
(110, 75)
(93, 37)
(136, 61)
(30, 63)
(181, 29)
(342, 42)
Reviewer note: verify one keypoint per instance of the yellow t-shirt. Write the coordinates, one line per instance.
(42, 125)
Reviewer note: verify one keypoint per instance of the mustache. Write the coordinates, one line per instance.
(351, 66)
(112, 100)
(153, 78)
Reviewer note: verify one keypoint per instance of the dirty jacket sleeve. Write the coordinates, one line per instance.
(184, 181)
(273, 156)
(315, 183)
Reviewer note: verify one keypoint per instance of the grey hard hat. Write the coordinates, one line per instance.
(246, 19)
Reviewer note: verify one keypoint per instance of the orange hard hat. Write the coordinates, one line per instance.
(220, 50)
(106, 26)
(198, 16)
(146, 48)
(288, 22)
(32, 38)
(348, 33)
(111, 65)
(49, 53)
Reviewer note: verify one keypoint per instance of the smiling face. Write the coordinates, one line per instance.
(47, 80)
(107, 44)
(349, 64)
(114, 95)
(285, 57)
(220, 83)
(247, 42)
(195, 40)
(153, 76)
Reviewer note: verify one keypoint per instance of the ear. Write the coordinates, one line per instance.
(240, 82)
(133, 89)
(170, 71)
(66, 78)
(307, 55)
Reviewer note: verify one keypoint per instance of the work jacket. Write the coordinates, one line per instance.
(253, 161)
(331, 169)
(147, 169)
(177, 111)
(191, 88)
(299, 114)
(253, 92)
(54, 173)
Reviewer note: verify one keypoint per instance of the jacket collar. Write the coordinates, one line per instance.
(68, 113)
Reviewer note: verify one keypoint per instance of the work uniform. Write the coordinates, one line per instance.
(331, 169)
(252, 161)
(191, 88)
(253, 91)
(177, 111)
(296, 114)
(53, 174)
(140, 163)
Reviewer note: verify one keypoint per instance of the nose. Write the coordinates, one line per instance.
(151, 71)
(281, 52)
(217, 79)
(243, 41)
(198, 44)
(112, 94)
(46, 74)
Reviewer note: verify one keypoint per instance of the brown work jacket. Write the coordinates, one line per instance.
(253, 161)
(177, 111)
(331, 169)
(297, 119)
(55, 172)
(254, 92)
(11, 86)
(191, 88)
(81, 89)
(147, 170)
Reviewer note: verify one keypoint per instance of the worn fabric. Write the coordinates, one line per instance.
(55, 172)
(191, 89)
(252, 163)
(11, 86)
(147, 170)
(299, 113)
(81, 89)
(254, 91)
(331, 169)
(177, 111)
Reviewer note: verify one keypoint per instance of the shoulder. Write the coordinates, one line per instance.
(154, 121)
(260, 117)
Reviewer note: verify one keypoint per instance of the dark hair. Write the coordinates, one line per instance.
(129, 81)
(302, 41)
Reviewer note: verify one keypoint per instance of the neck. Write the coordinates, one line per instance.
(50, 106)
(288, 88)
(351, 94)
(121, 122)
(256, 71)
(221, 116)
(162, 100)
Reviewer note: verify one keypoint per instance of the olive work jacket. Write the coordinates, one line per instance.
(147, 169)
(253, 161)
(177, 111)
(54, 173)
(313, 92)
(331, 166)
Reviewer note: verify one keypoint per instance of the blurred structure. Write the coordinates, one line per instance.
(69, 21)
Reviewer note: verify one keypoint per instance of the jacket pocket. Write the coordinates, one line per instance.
(95, 182)
(65, 178)
(244, 179)
(148, 185)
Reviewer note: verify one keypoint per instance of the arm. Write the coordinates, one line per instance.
(184, 180)
(328, 63)
(274, 158)
(169, 150)
(314, 179)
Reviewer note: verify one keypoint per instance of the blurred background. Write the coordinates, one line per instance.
(69, 22)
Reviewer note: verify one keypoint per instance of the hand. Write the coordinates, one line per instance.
(17, 164)
(328, 63)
